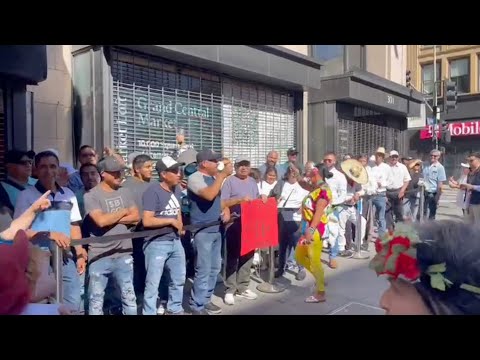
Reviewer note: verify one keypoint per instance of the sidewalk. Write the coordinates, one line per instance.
(352, 288)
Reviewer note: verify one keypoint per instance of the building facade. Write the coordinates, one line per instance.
(363, 102)
(345, 98)
(459, 63)
(20, 66)
(139, 97)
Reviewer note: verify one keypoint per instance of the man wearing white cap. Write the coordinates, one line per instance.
(434, 176)
(399, 180)
(381, 173)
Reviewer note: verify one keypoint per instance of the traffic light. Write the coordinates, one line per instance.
(450, 97)
(408, 82)
(446, 136)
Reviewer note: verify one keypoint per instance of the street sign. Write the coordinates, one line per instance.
(417, 122)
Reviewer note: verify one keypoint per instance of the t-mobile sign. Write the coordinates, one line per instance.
(467, 128)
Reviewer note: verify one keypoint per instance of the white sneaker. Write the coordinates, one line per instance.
(248, 294)
(161, 308)
(229, 299)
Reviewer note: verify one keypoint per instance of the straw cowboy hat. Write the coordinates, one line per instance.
(380, 150)
(414, 163)
(355, 171)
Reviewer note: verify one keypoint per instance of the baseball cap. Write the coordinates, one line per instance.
(465, 165)
(394, 153)
(292, 151)
(241, 159)
(110, 164)
(408, 158)
(208, 155)
(167, 163)
(15, 156)
(14, 284)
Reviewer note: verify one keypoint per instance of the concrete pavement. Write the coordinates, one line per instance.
(352, 288)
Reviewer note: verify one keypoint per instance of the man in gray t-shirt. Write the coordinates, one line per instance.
(110, 210)
(237, 189)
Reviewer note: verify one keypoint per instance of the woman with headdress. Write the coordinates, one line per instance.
(315, 207)
(433, 269)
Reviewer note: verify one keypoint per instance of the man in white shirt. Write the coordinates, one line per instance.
(380, 172)
(338, 186)
(399, 180)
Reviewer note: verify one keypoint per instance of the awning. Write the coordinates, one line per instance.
(26, 63)
(366, 89)
(268, 64)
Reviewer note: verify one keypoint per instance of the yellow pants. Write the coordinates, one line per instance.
(310, 257)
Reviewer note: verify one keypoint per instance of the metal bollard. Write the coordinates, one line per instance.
(270, 286)
(359, 253)
(421, 205)
(58, 270)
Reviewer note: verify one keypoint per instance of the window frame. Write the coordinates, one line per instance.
(438, 78)
(468, 75)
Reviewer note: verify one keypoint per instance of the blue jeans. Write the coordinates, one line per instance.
(71, 285)
(159, 254)
(380, 203)
(208, 265)
(289, 236)
(430, 206)
(122, 270)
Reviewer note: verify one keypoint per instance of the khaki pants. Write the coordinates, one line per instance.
(473, 216)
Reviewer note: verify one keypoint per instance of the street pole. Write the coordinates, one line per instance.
(435, 109)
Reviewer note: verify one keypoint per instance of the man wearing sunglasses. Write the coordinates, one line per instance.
(434, 176)
(19, 169)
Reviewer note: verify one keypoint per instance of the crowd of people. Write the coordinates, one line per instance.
(52, 204)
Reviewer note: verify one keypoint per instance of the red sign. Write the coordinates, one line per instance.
(467, 128)
(259, 225)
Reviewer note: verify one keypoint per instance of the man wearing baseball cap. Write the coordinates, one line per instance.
(399, 180)
(19, 171)
(292, 155)
(110, 210)
(162, 210)
(204, 193)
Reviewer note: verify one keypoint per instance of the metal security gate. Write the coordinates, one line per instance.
(153, 100)
(147, 120)
(367, 130)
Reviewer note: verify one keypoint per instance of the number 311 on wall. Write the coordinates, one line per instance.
(390, 99)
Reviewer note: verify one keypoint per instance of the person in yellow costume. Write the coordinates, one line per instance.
(315, 211)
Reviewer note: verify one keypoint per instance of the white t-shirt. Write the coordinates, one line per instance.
(292, 196)
(264, 188)
(399, 175)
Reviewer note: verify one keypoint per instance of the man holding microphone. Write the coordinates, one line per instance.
(204, 187)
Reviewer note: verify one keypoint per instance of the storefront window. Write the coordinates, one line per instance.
(427, 78)
(460, 73)
(332, 57)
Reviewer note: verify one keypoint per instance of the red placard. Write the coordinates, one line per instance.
(259, 225)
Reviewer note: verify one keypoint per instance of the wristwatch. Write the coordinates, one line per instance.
(312, 230)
